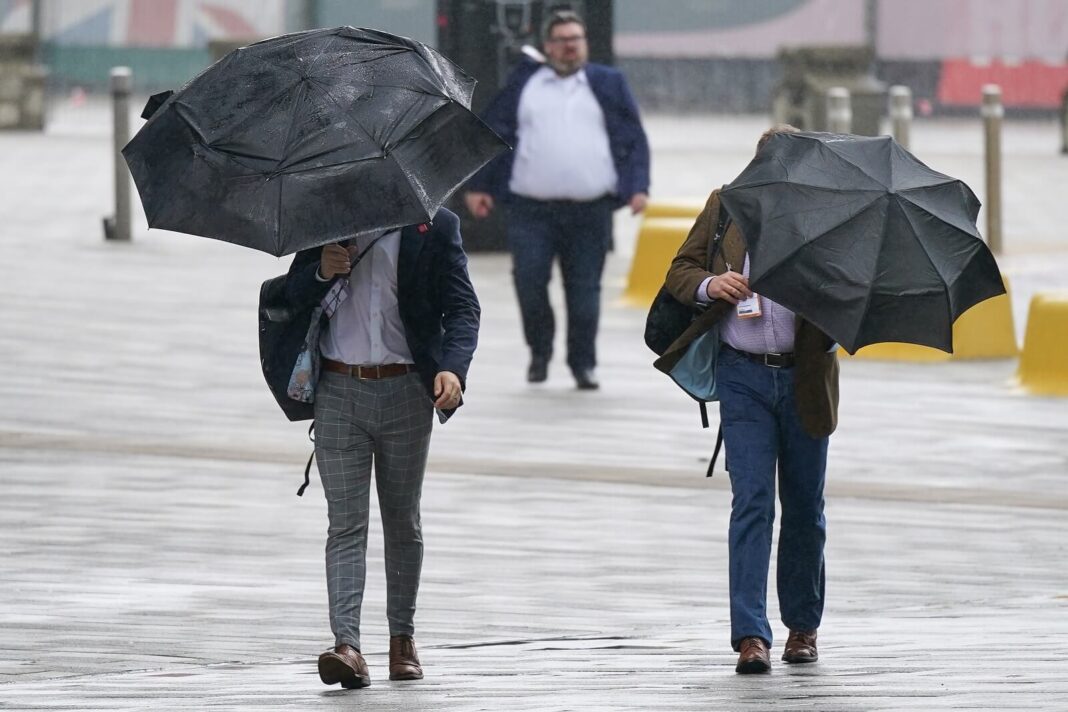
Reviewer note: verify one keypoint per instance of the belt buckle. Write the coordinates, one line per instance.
(769, 364)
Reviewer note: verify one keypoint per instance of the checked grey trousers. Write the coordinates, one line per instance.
(385, 422)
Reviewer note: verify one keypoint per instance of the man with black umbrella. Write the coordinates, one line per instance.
(402, 327)
(777, 380)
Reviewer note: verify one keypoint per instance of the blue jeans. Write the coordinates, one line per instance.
(579, 234)
(761, 428)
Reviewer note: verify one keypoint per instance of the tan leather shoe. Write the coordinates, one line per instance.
(753, 657)
(344, 664)
(801, 647)
(403, 660)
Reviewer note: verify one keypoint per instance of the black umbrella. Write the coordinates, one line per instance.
(309, 138)
(862, 239)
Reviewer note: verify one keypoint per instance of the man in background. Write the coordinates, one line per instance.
(580, 152)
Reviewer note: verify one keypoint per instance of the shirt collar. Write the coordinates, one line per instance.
(548, 74)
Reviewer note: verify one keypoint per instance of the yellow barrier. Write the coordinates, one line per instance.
(658, 241)
(1043, 364)
(677, 208)
(984, 331)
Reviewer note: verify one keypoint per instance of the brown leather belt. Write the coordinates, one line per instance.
(389, 370)
(772, 360)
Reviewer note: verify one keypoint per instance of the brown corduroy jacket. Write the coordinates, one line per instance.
(816, 369)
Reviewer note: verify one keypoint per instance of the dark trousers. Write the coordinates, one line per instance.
(761, 428)
(579, 234)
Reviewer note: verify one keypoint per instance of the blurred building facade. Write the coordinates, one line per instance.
(681, 55)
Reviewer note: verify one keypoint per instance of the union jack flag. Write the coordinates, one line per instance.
(148, 23)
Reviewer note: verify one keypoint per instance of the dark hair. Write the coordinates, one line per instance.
(774, 130)
(561, 17)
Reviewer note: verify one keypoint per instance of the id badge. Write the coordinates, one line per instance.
(749, 308)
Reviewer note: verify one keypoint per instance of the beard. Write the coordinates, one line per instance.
(566, 67)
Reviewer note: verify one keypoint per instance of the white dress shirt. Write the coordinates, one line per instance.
(562, 151)
(366, 329)
(770, 333)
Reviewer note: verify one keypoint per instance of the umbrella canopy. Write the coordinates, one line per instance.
(310, 138)
(862, 239)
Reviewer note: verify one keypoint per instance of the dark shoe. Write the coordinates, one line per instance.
(801, 647)
(403, 660)
(586, 379)
(753, 657)
(539, 369)
(344, 664)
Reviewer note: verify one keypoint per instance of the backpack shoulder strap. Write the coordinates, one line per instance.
(723, 223)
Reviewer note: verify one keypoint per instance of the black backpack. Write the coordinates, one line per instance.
(282, 332)
(668, 318)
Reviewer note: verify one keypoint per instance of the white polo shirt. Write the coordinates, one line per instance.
(562, 152)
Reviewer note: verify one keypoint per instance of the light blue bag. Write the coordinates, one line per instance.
(695, 372)
(305, 374)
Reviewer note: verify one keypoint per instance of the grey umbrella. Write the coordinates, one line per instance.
(310, 138)
(861, 238)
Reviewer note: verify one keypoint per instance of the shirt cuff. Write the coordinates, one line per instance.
(702, 292)
(319, 277)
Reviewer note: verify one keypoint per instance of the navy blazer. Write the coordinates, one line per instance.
(438, 305)
(626, 138)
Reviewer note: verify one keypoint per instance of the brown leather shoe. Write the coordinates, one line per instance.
(801, 647)
(403, 660)
(753, 657)
(344, 664)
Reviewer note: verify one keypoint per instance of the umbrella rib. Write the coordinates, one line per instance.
(360, 126)
(302, 91)
(329, 44)
(871, 289)
(822, 234)
(412, 90)
(905, 195)
(794, 182)
(924, 247)
(289, 171)
(863, 171)
(408, 183)
(232, 155)
(379, 58)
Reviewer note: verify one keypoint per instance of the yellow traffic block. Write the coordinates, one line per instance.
(1044, 363)
(984, 331)
(658, 241)
(676, 208)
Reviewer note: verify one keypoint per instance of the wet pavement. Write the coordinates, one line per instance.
(153, 554)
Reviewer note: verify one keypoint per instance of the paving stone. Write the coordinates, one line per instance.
(153, 555)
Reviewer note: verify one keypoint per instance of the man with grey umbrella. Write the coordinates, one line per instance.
(401, 327)
(777, 382)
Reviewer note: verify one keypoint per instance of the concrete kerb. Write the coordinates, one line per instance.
(658, 241)
(675, 208)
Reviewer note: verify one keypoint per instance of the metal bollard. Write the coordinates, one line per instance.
(900, 113)
(992, 113)
(839, 111)
(117, 227)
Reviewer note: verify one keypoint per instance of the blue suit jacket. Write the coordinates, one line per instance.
(438, 306)
(626, 138)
